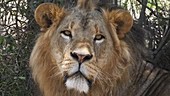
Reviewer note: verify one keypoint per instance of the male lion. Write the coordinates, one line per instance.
(82, 51)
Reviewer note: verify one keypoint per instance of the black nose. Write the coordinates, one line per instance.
(81, 57)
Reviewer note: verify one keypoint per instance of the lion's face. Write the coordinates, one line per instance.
(84, 51)
(82, 48)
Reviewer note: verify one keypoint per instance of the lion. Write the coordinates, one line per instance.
(82, 51)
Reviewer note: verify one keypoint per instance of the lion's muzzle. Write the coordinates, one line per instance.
(81, 57)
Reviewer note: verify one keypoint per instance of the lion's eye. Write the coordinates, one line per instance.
(99, 38)
(66, 34)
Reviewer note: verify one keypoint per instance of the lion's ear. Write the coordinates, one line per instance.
(121, 20)
(47, 13)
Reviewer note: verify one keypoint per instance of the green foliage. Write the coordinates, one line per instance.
(16, 42)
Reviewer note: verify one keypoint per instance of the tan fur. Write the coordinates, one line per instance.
(48, 11)
(87, 4)
(123, 21)
(109, 67)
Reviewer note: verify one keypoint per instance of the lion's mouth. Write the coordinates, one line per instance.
(78, 81)
(78, 75)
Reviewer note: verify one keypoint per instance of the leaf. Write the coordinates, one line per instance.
(2, 39)
(22, 78)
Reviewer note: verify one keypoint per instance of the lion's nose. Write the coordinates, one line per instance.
(81, 57)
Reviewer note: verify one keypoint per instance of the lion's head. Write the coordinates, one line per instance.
(81, 51)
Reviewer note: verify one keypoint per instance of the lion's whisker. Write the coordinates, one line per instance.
(56, 74)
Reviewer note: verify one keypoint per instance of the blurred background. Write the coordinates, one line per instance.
(18, 32)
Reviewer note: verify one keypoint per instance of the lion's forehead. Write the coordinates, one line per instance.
(85, 19)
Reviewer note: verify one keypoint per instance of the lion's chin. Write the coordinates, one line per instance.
(78, 82)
